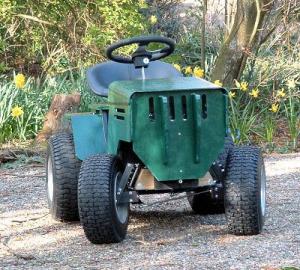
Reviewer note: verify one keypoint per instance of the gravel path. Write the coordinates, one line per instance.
(169, 236)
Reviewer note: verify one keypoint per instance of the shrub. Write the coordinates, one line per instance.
(54, 36)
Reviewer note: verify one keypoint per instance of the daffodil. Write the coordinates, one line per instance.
(143, 4)
(52, 82)
(231, 94)
(280, 93)
(198, 72)
(291, 83)
(237, 84)
(177, 67)
(16, 111)
(188, 70)
(20, 81)
(153, 19)
(218, 83)
(244, 86)
(254, 93)
(274, 108)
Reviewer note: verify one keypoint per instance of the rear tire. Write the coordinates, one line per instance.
(245, 191)
(62, 169)
(205, 203)
(102, 219)
(228, 146)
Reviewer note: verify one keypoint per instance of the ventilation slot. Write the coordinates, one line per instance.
(119, 110)
(204, 106)
(119, 117)
(183, 107)
(151, 109)
(171, 108)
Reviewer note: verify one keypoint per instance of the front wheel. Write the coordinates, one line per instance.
(245, 191)
(103, 218)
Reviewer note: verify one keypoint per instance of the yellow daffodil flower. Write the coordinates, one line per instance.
(244, 86)
(177, 67)
(16, 111)
(274, 108)
(188, 70)
(281, 93)
(254, 93)
(218, 83)
(20, 81)
(291, 83)
(143, 4)
(231, 94)
(198, 72)
(153, 19)
(237, 84)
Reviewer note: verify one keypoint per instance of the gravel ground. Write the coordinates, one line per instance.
(169, 236)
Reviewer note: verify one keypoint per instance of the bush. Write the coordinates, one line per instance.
(53, 36)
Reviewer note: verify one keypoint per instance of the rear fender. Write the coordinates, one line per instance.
(89, 135)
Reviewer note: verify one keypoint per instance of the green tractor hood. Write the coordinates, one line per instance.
(176, 126)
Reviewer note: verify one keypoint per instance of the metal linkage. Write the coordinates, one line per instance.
(128, 177)
(175, 199)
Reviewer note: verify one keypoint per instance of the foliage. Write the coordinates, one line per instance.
(255, 113)
(55, 35)
(34, 100)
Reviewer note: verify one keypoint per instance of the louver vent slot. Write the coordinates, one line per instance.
(151, 109)
(183, 107)
(204, 106)
(171, 108)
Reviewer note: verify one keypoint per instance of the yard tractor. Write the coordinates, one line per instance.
(155, 131)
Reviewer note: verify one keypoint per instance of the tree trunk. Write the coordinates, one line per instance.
(241, 40)
(60, 105)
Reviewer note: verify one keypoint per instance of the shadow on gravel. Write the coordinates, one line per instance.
(175, 219)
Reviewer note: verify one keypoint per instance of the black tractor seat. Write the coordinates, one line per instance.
(100, 76)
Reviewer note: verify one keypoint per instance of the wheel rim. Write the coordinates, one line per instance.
(50, 180)
(263, 191)
(121, 208)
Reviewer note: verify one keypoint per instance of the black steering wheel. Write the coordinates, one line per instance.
(141, 57)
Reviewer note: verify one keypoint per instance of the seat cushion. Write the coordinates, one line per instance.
(100, 76)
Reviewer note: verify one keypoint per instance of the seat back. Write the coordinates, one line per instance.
(100, 76)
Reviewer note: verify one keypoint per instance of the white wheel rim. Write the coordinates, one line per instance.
(50, 180)
(263, 191)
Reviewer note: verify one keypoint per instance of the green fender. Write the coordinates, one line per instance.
(88, 134)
